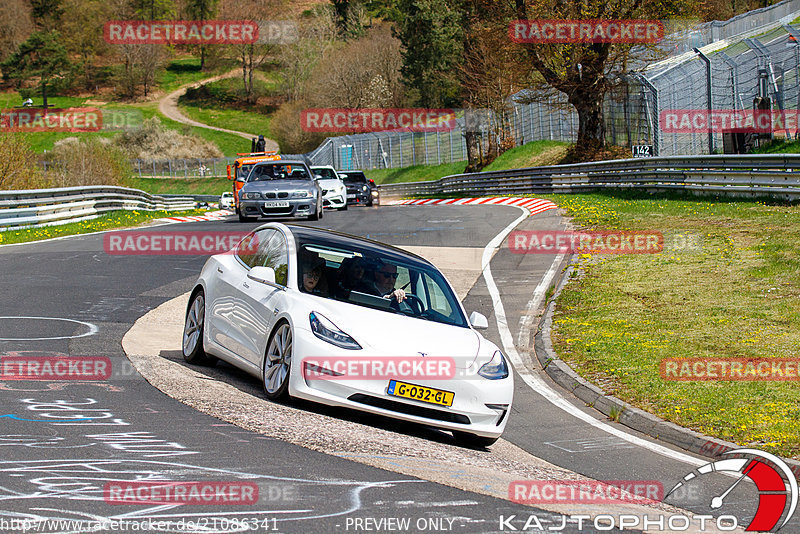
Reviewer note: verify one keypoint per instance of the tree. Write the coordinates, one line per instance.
(16, 24)
(251, 55)
(432, 37)
(585, 72)
(82, 31)
(153, 9)
(492, 71)
(46, 13)
(202, 10)
(42, 57)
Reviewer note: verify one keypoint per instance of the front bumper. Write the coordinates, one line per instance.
(358, 196)
(480, 406)
(334, 201)
(297, 207)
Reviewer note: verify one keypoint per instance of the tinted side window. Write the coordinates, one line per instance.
(272, 253)
(266, 248)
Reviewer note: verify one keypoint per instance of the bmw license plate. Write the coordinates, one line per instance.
(276, 204)
(420, 393)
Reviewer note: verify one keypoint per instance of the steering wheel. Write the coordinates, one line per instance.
(413, 302)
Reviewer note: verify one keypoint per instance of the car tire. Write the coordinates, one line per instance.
(343, 208)
(194, 326)
(277, 366)
(471, 440)
(242, 218)
(369, 203)
(317, 215)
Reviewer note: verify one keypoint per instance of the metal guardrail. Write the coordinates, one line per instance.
(774, 175)
(47, 207)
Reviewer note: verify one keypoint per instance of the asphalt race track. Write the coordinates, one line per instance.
(65, 443)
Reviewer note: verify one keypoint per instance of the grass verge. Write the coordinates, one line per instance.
(734, 295)
(107, 221)
(191, 186)
(531, 154)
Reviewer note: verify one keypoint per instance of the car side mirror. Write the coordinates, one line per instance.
(478, 321)
(264, 275)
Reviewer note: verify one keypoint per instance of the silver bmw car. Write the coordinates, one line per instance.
(282, 188)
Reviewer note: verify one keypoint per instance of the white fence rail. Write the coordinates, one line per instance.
(48, 207)
(775, 176)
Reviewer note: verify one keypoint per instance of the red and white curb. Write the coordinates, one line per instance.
(533, 205)
(213, 216)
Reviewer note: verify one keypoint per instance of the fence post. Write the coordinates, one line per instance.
(413, 150)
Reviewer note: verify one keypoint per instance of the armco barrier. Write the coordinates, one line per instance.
(774, 175)
(46, 207)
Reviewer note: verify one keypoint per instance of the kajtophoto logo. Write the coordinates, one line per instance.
(586, 31)
(773, 478)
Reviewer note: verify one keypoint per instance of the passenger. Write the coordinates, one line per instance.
(350, 277)
(312, 268)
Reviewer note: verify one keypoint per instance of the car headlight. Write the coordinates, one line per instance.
(301, 194)
(496, 368)
(251, 196)
(363, 187)
(324, 329)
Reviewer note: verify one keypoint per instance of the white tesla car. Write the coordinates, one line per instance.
(334, 192)
(350, 322)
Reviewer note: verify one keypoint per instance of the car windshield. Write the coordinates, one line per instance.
(353, 177)
(364, 277)
(327, 174)
(278, 171)
(243, 171)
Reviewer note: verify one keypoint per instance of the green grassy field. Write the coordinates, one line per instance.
(737, 294)
(779, 146)
(108, 221)
(191, 186)
(185, 70)
(528, 155)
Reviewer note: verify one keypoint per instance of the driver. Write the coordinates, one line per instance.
(385, 279)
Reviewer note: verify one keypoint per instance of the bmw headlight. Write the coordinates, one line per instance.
(496, 368)
(324, 329)
(363, 187)
(301, 194)
(251, 196)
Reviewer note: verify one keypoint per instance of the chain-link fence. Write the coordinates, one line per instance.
(738, 67)
(182, 168)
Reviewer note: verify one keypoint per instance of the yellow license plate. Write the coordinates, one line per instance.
(420, 393)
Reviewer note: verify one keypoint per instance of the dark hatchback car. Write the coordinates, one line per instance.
(360, 190)
(282, 188)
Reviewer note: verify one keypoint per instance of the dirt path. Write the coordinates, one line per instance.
(168, 105)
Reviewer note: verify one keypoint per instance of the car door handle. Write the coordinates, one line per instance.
(244, 285)
(219, 270)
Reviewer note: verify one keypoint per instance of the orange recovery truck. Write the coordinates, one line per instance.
(241, 168)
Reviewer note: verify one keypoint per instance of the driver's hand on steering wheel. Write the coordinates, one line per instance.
(398, 294)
